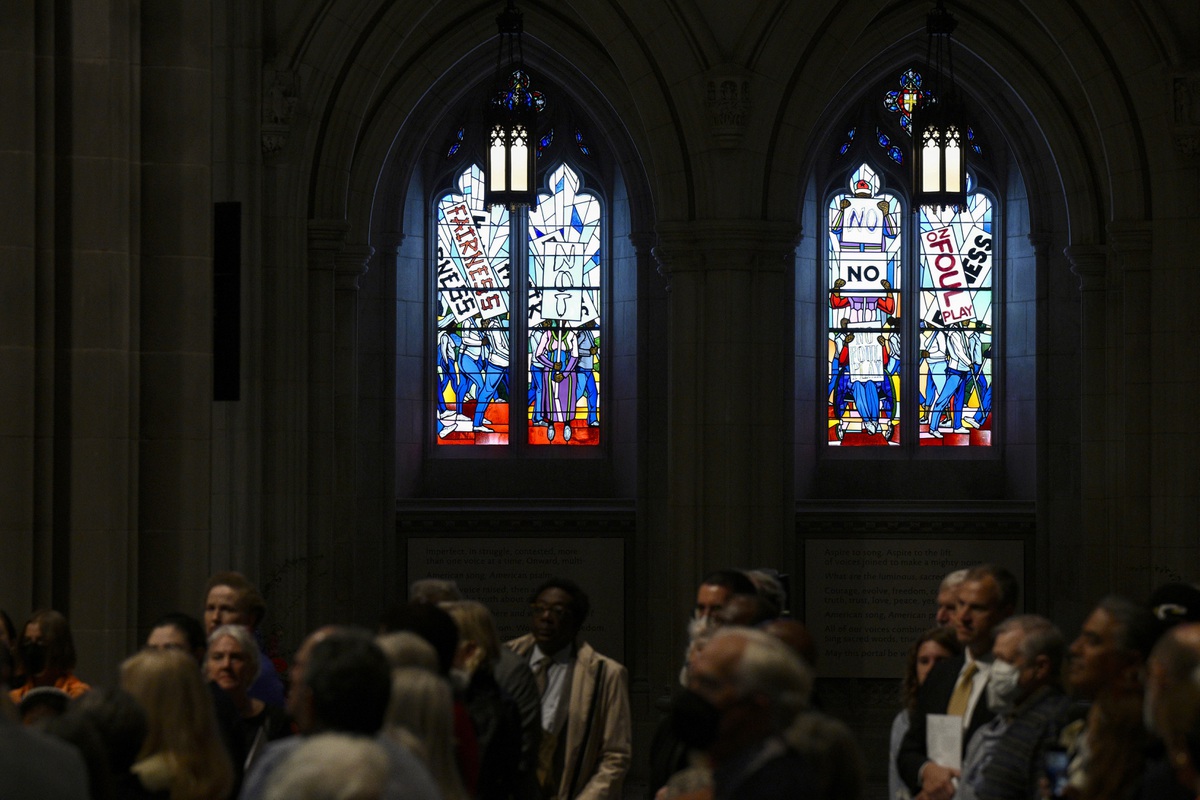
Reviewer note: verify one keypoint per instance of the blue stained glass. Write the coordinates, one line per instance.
(895, 154)
(545, 141)
(845, 147)
(882, 137)
(583, 148)
(576, 222)
(903, 101)
(457, 144)
(558, 187)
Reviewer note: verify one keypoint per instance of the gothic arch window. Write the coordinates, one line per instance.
(518, 321)
(910, 316)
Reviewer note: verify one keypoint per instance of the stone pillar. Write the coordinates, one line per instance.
(326, 239)
(1095, 576)
(354, 560)
(729, 417)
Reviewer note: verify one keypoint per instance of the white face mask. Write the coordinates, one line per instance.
(1003, 687)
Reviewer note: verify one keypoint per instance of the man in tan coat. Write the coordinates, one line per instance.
(586, 725)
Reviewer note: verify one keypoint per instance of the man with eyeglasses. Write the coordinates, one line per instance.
(586, 727)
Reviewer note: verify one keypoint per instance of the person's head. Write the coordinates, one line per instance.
(345, 684)
(233, 661)
(947, 597)
(986, 596)
(79, 732)
(41, 704)
(430, 623)
(178, 631)
(434, 590)
(46, 647)
(407, 649)
(1111, 648)
(120, 721)
(771, 592)
(747, 610)
(558, 608)
(931, 647)
(180, 722)
(1028, 654)
(756, 685)
(331, 766)
(230, 599)
(423, 704)
(478, 641)
(1169, 670)
(717, 587)
(796, 636)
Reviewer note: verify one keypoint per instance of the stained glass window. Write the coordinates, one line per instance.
(864, 335)
(956, 324)
(479, 316)
(564, 314)
(473, 297)
(875, 268)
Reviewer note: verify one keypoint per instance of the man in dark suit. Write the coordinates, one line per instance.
(986, 597)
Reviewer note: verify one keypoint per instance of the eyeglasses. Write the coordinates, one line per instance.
(558, 612)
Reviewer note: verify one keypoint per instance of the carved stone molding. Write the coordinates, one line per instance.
(351, 264)
(1089, 262)
(728, 103)
(1040, 242)
(280, 94)
(725, 244)
(1185, 117)
(1131, 238)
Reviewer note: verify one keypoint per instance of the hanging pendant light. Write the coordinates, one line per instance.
(939, 130)
(511, 118)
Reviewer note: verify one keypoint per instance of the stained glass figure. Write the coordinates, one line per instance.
(956, 324)
(564, 313)
(473, 319)
(865, 277)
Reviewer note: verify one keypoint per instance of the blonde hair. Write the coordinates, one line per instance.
(475, 624)
(181, 726)
(423, 704)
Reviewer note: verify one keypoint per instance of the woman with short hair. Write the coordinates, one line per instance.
(233, 664)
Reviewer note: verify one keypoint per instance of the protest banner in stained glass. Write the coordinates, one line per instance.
(864, 335)
(956, 323)
(471, 273)
(564, 296)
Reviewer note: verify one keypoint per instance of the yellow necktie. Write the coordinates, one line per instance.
(962, 692)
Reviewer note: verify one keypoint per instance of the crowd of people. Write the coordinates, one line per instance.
(994, 705)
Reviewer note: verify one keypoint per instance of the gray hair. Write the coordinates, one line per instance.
(1042, 638)
(240, 634)
(331, 766)
(434, 590)
(768, 667)
(407, 649)
(952, 580)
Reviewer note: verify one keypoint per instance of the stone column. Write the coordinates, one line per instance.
(326, 239)
(1132, 462)
(1095, 576)
(729, 413)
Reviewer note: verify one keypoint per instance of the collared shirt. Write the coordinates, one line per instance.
(983, 667)
(556, 681)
